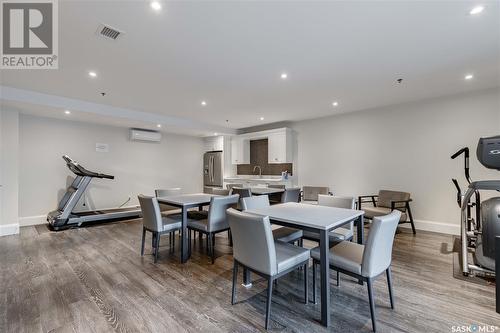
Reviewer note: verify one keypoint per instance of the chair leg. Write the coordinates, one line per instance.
(208, 244)
(338, 278)
(372, 304)
(389, 284)
(411, 218)
(170, 237)
(301, 242)
(189, 242)
(230, 238)
(306, 283)
(157, 246)
(269, 295)
(213, 248)
(235, 280)
(314, 282)
(143, 240)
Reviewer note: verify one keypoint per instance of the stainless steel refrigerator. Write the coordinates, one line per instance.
(212, 169)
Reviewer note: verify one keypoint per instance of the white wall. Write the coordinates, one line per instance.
(138, 167)
(9, 148)
(403, 147)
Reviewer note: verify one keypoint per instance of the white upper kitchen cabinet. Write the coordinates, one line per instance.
(240, 150)
(280, 147)
(213, 143)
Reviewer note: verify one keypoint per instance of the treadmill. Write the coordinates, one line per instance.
(64, 217)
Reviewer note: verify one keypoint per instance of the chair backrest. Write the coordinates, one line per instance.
(378, 248)
(253, 243)
(276, 186)
(230, 186)
(310, 193)
(151, 215)
(334, 201)
(291, 194)
(168, 192)
(339, 202)
(220, 191)
(386, 196)
(257, 201)
(217, 211)
(243, 192)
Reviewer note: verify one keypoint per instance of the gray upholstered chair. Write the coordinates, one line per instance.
(215, 222)
(230, 186)
(166, 209)
(275, 198)
(283, 234)
(341, 233)
(255, 249)
(243, 192)
(154, 222)
(310, 193)
(291, 194)
(385, 202)
(365, 262)
(220, 191)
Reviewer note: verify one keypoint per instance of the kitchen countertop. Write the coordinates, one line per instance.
(251, 178)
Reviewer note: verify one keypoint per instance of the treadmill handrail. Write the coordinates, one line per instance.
(79, 170)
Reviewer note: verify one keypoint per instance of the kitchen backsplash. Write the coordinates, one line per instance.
(258, 156)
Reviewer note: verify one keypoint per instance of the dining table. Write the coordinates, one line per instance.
(319, 219)
(186, 202)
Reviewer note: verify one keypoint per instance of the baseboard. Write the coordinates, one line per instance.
(9, 229)
(434, 226)
(32, 220)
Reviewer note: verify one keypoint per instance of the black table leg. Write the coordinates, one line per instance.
(325, 281)
(360, 229)
(184, 240)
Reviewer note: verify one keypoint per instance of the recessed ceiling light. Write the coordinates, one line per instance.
(284, 76)
(469, 76)
(203, 103)
(159, 125)
(335, 103)
(156, 5)
(476, 10)
(261, 118)
(67, 112)
(215, 133)
(92, 74)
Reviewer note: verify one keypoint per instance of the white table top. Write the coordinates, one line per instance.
(266, 190)
(312, 216)
(187, 199)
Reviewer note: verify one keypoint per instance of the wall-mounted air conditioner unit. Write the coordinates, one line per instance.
(144, 135)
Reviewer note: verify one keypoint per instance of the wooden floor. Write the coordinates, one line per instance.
(94, 280)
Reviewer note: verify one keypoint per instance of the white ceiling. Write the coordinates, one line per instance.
(231, 54)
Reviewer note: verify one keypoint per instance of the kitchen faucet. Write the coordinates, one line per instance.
(260, 170)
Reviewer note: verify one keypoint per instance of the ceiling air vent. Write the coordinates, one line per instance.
(108, 32)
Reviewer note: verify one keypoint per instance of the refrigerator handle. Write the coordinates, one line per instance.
(213, 165)
(211, 168)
